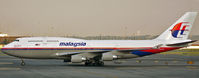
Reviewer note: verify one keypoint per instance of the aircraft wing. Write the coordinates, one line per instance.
(104, 51)
(74, 53)
(130, 50)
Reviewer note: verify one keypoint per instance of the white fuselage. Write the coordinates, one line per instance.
(48, 47)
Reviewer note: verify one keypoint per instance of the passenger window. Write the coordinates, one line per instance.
(52, 41)
(35, 41)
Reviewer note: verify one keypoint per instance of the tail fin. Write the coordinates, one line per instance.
(180, 29)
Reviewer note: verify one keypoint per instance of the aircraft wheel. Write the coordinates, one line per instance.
(88, 63)
(22, 64)
(100, 63)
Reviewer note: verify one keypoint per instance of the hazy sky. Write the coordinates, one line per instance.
(92, 17)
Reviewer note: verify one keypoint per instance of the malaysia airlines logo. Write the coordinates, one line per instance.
(179, 29)
(74, 44)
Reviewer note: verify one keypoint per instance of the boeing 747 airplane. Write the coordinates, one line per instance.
(95, 52)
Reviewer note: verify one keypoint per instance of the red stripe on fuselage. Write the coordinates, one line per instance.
(114, 48)
(162, 49)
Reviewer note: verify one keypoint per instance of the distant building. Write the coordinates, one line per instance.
(3, 35)
(8, 39)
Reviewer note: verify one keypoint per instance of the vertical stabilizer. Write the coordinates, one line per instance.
(180, 29)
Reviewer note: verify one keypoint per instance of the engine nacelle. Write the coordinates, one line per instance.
(109, 57)
(77, 59)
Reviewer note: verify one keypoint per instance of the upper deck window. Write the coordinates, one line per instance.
(35, 41)
(52, 41)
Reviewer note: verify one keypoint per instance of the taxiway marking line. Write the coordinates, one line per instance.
(9, 68)
(6, 63)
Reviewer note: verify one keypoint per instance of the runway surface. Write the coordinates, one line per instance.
(155, 66)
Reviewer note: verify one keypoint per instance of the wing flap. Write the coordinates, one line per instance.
(130, 50)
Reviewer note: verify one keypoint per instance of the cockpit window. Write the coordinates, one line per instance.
(16, 40)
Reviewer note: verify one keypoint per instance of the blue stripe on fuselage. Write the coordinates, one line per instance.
(141, 53)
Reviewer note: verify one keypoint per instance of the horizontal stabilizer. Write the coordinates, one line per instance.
(182, 43)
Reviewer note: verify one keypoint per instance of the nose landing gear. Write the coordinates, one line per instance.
(22, 62)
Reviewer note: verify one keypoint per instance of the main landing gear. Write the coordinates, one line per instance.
(94, 63)
(22, 62)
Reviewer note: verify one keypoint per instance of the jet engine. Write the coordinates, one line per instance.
(77, 59)
(109, 57)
